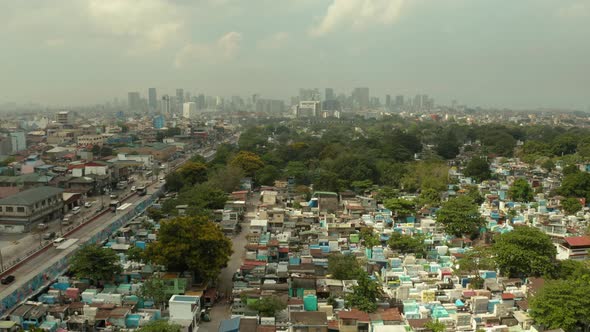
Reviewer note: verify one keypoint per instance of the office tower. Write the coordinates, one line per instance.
(64, 118)
(219, 102)
(331, 105)
(187, 96)
(399, 101)
(417, 105)
(158, 122)
(387, 101)
(309, 94)
(425, 102)
(166, 104)
(309, 109)
(152, 99)
(134, 101)
(18, 141)
(180, 96)
(270, 106)
(201, 102)
(189, 110)
(361, 98)
(329, 94)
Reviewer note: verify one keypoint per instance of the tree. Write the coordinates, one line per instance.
(369, 238)
(548, 165)
(364, 296)
(160, 326)
(95, 263)
(343, 267)
(435, 326)
(520, 191)
(400, 207)
(268, 306)
(473, 260)
(249, 162)
(448, 146)
(563, 304)
(576, 185)
(475, 196)
(571, 205)
(429, 197)
(174, 181)
(193, 172)
(478, 168)
(407, 244)
(460, 216)
(570, 169)
(191, 243)
(267, 175)
(226, 178)
(154, 289)
(526, 251)
(135, 254)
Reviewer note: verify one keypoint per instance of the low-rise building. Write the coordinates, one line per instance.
(20, 212)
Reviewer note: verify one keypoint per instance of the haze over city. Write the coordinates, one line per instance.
(515, 54)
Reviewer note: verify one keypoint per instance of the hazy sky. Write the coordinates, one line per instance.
(513, 53)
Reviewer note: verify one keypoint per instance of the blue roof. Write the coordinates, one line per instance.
(228, 325)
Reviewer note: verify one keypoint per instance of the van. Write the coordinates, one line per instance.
(58, 241)
(42, 226)
(48, 236)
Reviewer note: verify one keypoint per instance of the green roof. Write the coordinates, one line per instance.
(324, 193)
(31, 196)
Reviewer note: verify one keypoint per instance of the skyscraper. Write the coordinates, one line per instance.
(361, 97)
(387, 101)
(399, 101)
(180, 96)
(189, 110)
(134, 101)
(152, 99)
(329, 94)
(166, 104)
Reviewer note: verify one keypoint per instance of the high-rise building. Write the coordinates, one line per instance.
(329, 94)
(309, 94)
(18, 141)
(152, 99)
(399, 101)
(64, 118)
(361, 98)
(270, 106)
(201, 104)
(158, 122)
(309, 109)
(166, 104)
(417, 105)
(189, 110)
(387, 101)
(180, 96)
(134, 101)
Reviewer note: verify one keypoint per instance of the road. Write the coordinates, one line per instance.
(50, 256)
(222, 310)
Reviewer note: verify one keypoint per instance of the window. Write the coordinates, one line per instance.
(20, 209)
(9, 209)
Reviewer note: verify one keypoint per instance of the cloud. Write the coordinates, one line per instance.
(223, 49)
(273, 41)
(358, 14)
(150, 24)
(575, 10)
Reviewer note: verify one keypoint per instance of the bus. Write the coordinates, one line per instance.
(114, 205)
(141, 190)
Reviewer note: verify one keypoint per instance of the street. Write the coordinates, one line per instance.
(222, 309)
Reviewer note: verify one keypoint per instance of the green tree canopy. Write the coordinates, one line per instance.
(460, 216)
(343, 267)
(520, 191)
(435, 326)
(160, 326)
(576, 185)
(192, 172)
(365, 295)
(191, 243)
(476, 259)
(526, 251)
(95, 263)
(154, 289)
(369, 238)
(478, 168)
(400, 207)
(563, 304)
(249, 162)
(571, 205)
(268, 306)
(267, 175)
(407, 244)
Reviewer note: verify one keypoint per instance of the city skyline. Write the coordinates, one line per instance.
(487, 53)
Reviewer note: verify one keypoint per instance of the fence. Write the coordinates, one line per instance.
(43, 279)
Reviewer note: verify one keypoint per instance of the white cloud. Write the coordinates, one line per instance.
(358, 14)
(575, 9)
(223, 49)
(150, 24)
(274, 41)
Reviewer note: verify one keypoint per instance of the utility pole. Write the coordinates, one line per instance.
(1, 261)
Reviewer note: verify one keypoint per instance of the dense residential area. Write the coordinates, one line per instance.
(405, 222)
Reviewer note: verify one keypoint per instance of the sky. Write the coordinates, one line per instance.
(489, 53)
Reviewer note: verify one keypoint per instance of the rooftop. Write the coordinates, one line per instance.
(31, 196)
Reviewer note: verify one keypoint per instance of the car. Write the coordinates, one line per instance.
(48, 236)
(114, 196)
(76, 210)
(133, 188)
(6, 280)
(42, 226)
(88, 204)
